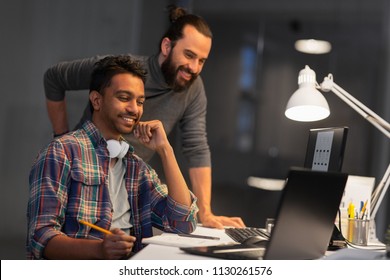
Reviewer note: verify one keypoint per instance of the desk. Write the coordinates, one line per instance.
(162, 252)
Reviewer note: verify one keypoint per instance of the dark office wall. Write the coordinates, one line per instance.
(356, 61)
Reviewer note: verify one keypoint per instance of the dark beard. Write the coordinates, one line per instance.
(170, 73)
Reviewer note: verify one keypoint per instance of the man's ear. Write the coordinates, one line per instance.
(96, 100)
(166, 46)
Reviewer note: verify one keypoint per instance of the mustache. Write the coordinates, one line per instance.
(130, 115)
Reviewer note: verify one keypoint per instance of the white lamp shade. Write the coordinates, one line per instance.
(306, 105)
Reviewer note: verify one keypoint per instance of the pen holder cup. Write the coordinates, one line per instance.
(358, 231)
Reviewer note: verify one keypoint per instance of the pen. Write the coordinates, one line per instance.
(198, 236)
(95, 227)
(362, 212)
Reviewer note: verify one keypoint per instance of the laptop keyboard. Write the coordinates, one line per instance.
(241, 234)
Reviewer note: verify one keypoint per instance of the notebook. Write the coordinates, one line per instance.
(304, 220)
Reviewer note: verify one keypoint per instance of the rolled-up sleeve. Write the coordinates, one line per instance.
(181, 218)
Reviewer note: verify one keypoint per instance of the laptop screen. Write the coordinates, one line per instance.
(306, 214)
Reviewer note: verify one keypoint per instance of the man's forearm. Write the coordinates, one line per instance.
(63, 247)
(58, 116)
(201, 186)
(177, 187)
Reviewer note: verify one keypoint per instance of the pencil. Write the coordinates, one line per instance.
(95, 227)
(198, 236)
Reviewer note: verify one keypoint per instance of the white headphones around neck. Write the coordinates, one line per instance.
(117, 149)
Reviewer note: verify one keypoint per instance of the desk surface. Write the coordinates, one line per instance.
(162, 252)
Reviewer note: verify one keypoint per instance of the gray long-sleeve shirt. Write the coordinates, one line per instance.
(186, 108)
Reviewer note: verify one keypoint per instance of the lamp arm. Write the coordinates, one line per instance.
(379, 193)
(367, 113)
(381, 124)
(364, 111)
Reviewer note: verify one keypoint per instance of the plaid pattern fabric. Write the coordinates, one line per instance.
(69, 182)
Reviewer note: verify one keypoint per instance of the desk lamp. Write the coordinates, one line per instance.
(308, 104)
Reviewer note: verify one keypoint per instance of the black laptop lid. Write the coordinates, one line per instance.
(306, 214)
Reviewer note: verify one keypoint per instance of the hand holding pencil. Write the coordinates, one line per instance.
(116, 243)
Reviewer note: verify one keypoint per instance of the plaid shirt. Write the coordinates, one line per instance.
(69, 182)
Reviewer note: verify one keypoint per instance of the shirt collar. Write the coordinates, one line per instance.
(96, 137)
(93, 133)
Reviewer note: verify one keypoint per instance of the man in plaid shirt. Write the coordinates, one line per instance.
(92, 174)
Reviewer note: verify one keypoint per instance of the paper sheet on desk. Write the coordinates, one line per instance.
(170, 239)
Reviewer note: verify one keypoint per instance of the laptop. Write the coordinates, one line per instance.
(304, 220)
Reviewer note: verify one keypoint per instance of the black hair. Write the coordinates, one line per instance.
(110, 66)
(179, 18)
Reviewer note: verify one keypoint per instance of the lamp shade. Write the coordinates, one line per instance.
(313, 46)
(307, 103)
